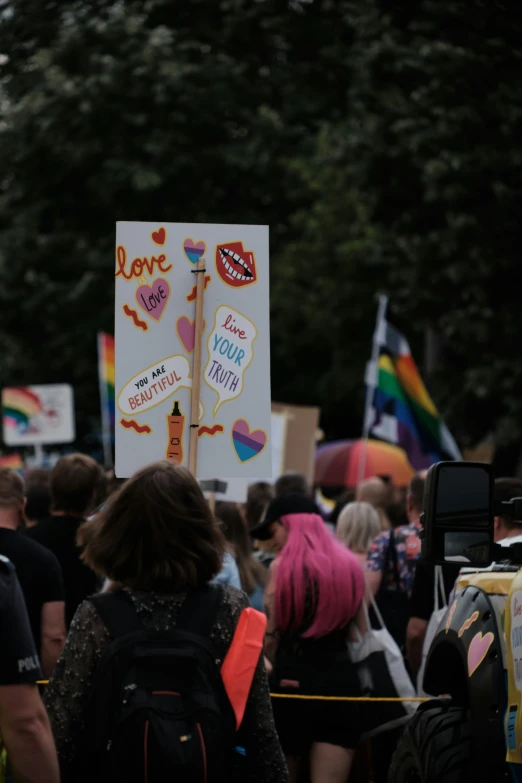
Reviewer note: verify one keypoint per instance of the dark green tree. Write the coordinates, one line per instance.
(144, 110)
(380, 140)
(432, 148)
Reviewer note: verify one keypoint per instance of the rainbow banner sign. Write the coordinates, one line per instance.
(106, 381)
(33, 415)
(19, 407)
(399, 407)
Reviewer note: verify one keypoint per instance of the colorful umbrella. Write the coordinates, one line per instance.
(337, 463)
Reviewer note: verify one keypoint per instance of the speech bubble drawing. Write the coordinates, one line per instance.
(230, 351)
(155, 384)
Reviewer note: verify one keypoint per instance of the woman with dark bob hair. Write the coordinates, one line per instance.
(157, 539)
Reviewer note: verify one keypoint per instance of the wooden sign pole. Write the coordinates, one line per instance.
(212, 501)
(196, 368)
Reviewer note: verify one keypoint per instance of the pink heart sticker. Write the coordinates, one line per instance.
(247, 444)
(153, 299)
(478, 649)
(187, 332)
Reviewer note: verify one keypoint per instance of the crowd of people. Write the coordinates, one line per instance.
(100, 576)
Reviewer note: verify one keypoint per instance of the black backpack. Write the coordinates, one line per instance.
(158, 709)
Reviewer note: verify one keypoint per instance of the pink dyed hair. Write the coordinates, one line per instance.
(318, 580)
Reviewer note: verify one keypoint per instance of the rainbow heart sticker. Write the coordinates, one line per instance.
(193, 250)
(246, 443)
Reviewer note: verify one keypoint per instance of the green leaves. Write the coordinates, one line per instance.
(444, 146)
(379, 140)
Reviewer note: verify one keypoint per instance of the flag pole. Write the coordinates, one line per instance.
(196, 368)
(371, 382)
(104, 401)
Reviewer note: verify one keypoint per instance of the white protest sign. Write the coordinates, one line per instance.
(154, 347)
(33, 415)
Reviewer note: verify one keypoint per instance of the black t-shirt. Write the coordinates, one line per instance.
(58, 534)
(18, 659)
(422, 594)
(38, 572)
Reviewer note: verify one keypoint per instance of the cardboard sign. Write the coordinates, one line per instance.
(155, 336)
(300, 438)
(33, 415)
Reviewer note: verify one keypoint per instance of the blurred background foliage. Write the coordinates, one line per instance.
(380, 140)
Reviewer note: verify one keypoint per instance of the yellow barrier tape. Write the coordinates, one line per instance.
(322, 698)
(344, 698)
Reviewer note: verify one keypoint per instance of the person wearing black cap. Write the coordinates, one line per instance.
(271, 528)
(315, 590)
(506, 530)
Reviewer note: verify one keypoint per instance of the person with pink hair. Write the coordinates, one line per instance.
(315, 590)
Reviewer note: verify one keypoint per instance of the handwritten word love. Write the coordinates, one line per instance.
(153, 300)
(139, 266)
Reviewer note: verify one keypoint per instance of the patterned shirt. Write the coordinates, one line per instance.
(407, 547)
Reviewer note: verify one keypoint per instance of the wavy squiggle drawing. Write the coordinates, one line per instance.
(204, 430)
(141, 429)
(134, 315)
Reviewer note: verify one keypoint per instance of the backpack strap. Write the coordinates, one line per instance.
(199, 610)
(197, 615)
(117, 612)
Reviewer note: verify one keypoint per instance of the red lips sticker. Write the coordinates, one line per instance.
(235, 266)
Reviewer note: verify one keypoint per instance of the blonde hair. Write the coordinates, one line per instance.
(357, 526)
(376, 492)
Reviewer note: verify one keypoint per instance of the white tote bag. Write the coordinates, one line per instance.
(382, 673)
(439, 610)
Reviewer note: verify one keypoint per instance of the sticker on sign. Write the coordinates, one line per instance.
(229, 353)
(155, 384)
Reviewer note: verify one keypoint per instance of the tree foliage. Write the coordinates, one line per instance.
(433, 146)
(379, 140)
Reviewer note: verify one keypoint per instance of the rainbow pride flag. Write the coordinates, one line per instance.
(400, 409)
(106, 381)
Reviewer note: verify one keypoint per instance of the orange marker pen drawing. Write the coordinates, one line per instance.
(175, 427)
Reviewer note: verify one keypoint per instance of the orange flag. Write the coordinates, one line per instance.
(237, 671)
